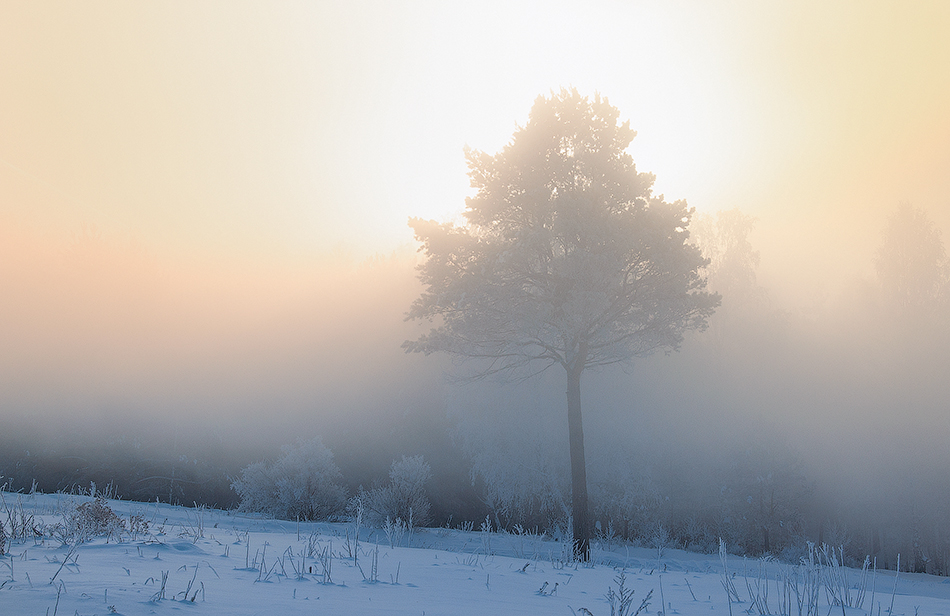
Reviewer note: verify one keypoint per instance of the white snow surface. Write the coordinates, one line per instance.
(231, 563)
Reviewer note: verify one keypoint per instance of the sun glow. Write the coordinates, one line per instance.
(320, 128)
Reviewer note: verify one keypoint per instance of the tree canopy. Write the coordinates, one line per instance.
(912, 263)
(566, 257)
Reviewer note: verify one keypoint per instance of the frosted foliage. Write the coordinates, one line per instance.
(523, 485)
(410, 474)
(304, 483)
(255, 487)
(516, 461)
(724, 240)
(912, 263)
(628, 498)
(405, 497)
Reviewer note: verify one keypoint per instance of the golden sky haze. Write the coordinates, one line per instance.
(266, 133)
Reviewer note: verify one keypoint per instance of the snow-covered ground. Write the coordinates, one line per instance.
(216, 562)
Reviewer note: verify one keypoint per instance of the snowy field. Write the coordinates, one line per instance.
(194, 561)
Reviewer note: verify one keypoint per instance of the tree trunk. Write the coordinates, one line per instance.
(578, 465)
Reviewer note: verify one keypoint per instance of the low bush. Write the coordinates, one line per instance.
(405, 497)
(303, 484)
(87, 520)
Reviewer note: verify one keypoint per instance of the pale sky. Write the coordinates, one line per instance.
(260, 130)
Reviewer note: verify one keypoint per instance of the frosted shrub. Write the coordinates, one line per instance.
(405, 497)
(518, 468)
(698, 535)
(309, 482)
(304, 483)
(630, 501)
(523, 489)
(256, 488)
(87, 520)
